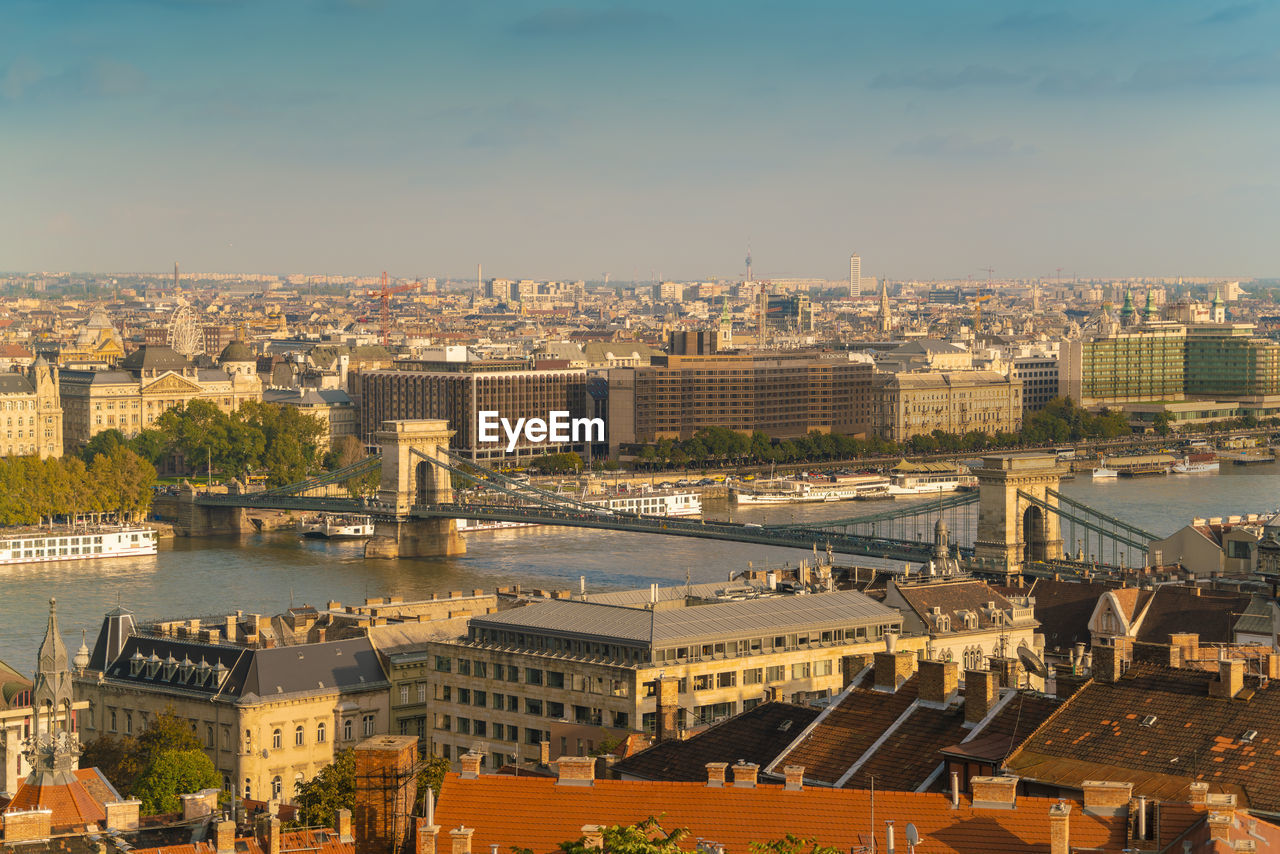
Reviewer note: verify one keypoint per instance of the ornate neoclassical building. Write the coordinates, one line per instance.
(147, 383)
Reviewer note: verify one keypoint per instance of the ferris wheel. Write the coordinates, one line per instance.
(185, 335)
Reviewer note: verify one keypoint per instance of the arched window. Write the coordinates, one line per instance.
(320, 733)
(297, 735)
(277, 785)
(208, 735)
(246, 788)
(277, 739)
(346, 730)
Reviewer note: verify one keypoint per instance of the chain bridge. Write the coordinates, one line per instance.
(1015, 522)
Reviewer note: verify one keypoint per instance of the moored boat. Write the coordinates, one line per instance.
(44, 545)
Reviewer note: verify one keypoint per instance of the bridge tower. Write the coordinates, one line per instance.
(1013, 531)
(409, 480)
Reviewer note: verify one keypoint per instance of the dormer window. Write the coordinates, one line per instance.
(970, 620)
(944, 624)
(205, 672)
(135, 664)
(153, 666)
(187, 668)
(170, 668)
(220, 673)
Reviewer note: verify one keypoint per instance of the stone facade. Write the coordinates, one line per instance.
(31, 412)
(1011, 529)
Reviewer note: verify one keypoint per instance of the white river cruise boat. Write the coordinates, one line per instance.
(928, 479)
(644, 503)
(337, 527)
(45, 545)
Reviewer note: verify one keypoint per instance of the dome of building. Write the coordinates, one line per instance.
(236, 351)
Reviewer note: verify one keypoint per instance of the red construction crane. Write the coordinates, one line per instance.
(385, 295)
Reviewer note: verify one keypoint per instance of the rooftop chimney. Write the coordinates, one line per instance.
(1106, 798)
(424, 836)
(1198, 793)
(892, 669)
(938, 681)
(470, 764)
(342, 825)
(461, 840)
(577, 770)
(744, 774)
(994, 792)
(1060, 828)
(1230, 679)
(795, 777)
(715, 774)
(224, 836)
(981, 691)
(668, 700)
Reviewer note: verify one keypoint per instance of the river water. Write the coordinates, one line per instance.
(265, 572)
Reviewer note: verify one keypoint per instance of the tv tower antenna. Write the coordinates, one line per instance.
(749, 279)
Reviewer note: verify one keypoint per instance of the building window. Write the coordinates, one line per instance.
(801, 670)
(404, 693)
(422, 692)
(320, 733)
(208, 736)
(277, 786)
(297, 735)
(346, 730)
(277, 739)
(368, 725)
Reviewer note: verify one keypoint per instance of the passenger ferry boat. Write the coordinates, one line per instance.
(928, 479)
(674, 503)
(1104, 473)
(45, 545)
(865, 488)
(336, 527)
(1196, 464)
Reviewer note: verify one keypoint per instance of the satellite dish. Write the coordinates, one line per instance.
(1032, 662)
(912, 835)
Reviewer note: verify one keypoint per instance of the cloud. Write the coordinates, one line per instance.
(963, 147)
(20, 75)
(1231, 14)
(565, 21)
(935, 80)
(101, 78)
(1191, 72)
(1043, 24)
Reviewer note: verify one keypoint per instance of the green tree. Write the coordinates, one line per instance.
(645, 837)
(116, 758)
(1162, 424)
(334, 787)
(172, 773)
(330, 790)
(792, 844)
(101, 443)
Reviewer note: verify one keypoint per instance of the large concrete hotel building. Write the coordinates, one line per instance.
(458, 391)
(785, 395)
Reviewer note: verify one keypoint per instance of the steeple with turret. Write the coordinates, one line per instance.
(53, 749)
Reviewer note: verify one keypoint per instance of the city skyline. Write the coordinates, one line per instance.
(567, 141)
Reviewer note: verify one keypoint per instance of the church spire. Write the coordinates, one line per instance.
(52, 747)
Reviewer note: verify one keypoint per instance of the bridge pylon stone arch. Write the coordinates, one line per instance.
(409, 480)
(1013, 531)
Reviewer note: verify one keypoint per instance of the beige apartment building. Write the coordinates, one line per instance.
(911, 404)
(147, 383)
(31, 412)
(268, 716)
(573, 672)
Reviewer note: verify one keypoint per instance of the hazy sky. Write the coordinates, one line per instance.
(567, 140)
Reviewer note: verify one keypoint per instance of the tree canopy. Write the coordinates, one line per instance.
(172, 773)
(334, 787)
(127, 759)
(116, 481)
(280, 440)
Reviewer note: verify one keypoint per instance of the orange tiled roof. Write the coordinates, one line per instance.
(71, 804)
(310, 841)
(539, 814)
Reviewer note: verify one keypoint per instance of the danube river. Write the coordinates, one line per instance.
(265, 572)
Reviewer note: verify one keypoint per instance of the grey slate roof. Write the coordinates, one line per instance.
(155, 357)
(346, 665)
(744, 619)
(15, 384)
